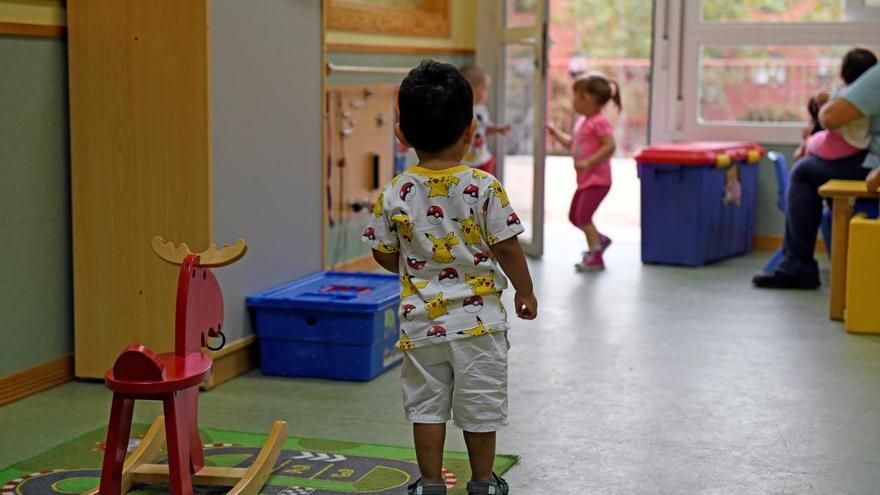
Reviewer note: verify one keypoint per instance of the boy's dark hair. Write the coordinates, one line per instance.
(855, 63)
(436, 106)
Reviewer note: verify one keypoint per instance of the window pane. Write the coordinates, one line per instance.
(773, 10)
(769, 84)
(521, 13)
(519, 160)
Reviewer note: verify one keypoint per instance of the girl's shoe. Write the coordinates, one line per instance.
(592, 262)
(418, 488)
(604, 243)
(497, 486)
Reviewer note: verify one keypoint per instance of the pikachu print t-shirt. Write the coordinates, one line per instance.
(442, 224)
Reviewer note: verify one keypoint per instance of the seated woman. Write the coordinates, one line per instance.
(847, 139)
(798, 268)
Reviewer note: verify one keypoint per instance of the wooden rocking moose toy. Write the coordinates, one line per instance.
(174, 378)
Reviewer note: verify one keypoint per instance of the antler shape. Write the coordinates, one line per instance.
(212, 257)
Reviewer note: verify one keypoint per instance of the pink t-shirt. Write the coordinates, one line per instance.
(586, 139)
(829, 145)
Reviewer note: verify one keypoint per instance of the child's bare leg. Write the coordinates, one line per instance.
(481, 454)
(594, 239)
(429, 438)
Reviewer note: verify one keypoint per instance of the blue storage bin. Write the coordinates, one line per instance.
(329, 325)
(684, 218)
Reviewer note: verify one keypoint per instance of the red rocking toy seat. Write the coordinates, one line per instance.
(174, 378)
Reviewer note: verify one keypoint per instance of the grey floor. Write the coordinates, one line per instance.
(637, 380)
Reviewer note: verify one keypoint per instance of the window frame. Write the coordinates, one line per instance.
(679, 34)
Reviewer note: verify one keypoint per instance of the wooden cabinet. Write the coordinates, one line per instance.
(140, 166)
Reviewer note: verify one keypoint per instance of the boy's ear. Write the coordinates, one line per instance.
(400, 136)
(468, 136)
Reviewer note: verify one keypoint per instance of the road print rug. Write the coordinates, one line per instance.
(307, 466)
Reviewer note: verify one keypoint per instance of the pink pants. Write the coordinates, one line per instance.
(585, 203)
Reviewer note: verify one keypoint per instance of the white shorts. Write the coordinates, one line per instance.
(465, 379)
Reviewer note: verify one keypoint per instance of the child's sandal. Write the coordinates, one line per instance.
(495, 487)
(418, 488)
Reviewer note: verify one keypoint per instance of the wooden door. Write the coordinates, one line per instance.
(140, 166)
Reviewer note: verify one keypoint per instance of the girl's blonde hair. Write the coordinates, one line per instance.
(601, 87)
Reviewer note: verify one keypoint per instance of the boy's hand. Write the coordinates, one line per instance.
(388, 261)
(526, 306)
(513, 261)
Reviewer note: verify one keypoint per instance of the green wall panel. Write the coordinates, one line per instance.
(35, 259)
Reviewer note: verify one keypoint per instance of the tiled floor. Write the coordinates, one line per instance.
(640, 379)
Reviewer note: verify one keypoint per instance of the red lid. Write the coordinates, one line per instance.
(720, 153)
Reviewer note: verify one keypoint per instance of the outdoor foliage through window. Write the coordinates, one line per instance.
(773, 10)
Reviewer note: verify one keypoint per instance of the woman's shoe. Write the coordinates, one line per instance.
(779, 280)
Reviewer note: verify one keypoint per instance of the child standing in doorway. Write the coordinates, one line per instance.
(592, 144)
(478, 155)
(449, 231)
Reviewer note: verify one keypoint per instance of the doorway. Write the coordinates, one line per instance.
(613, 38)
(545, 44)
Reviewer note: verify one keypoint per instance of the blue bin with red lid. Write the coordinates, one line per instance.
(698, 201)
(336, 325)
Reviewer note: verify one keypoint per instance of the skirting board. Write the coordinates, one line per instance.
(21, 384)
(772, 243)
(35, 30)
(234, 359)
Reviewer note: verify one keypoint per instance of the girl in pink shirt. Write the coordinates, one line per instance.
(591, 143)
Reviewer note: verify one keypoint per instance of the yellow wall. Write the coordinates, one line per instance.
(463, 32)
(43, 12)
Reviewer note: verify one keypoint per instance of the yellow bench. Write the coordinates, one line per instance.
(842, 193)
(863, 276)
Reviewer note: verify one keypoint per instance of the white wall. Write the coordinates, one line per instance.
(266, 144)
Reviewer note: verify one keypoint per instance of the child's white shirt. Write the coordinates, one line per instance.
(479, 153)
(442, 224)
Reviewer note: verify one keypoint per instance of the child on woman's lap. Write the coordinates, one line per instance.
(846, 140)
(592, 144)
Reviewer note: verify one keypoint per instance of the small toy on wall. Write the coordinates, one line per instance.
(360, 156)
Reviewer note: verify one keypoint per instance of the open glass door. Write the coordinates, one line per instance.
(522, 103)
